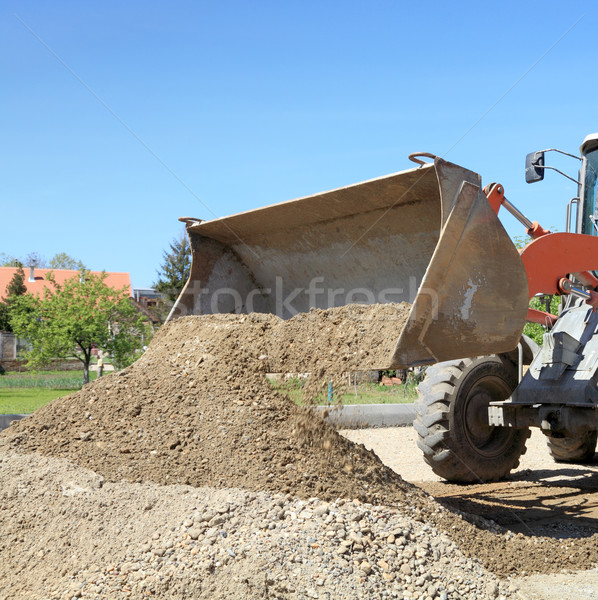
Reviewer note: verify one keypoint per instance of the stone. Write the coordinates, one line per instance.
(366, 567)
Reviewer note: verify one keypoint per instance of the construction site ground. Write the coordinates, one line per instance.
(188, 476)
(541, 498)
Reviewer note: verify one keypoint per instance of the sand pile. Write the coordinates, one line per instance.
(196, 408)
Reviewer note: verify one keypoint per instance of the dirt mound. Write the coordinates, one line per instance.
(196, 408)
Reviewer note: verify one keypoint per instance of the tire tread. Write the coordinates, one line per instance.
(441, 450)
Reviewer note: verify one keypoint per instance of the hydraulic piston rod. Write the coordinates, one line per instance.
(518, 214)
(496, 196)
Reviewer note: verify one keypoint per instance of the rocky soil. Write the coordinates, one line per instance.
(186, 476)
(69, 533)
(196, 409)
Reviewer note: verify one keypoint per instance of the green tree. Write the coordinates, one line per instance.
(174, 272)
(172, 276)
(547, 304)
(69, 320)
(7, 260)
(5, 317)
(60, 260)
(15, 288)
(63, 261)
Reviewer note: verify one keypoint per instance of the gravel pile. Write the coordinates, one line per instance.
(67, 533)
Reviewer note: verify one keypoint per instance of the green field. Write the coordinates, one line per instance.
(25, 392)
(14, 401)
(363, 393)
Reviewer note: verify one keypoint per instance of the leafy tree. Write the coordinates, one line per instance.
(69, 320)
(6, 260)
(35, 259)
(547, 304)
(63, 261)
(175, 268)
(15, 288)
(5, 317)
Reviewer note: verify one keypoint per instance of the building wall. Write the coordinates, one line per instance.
(8, 346)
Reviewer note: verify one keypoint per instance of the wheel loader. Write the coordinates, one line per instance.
(431, 236)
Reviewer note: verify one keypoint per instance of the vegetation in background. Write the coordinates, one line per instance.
(72, 318)
(50, 380)
(15, 288)
(544, 303)
(61, 260)
(25, 392)
(173, 274)
(362, 393)
(26, 401)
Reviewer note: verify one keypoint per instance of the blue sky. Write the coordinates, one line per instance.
(119, 117)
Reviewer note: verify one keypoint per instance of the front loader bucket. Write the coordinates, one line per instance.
(427, 236)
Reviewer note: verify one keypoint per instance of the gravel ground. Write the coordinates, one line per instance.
(187, 476)
(386, 442)
(549, 480)
(126, 540)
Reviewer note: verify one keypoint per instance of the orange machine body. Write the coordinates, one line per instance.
(551, 256)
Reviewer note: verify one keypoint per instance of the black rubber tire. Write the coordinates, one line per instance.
(573, 450)
(452, 424)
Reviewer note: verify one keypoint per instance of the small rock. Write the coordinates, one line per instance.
(492, 589)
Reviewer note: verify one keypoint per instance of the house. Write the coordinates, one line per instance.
(35, 279)
(147, 297)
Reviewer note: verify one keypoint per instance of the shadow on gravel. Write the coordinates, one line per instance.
(565, 476)
(562, 507)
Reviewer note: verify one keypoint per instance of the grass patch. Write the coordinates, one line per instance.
(363, 393)
(24, 392)
(50, 380)
(24, 401)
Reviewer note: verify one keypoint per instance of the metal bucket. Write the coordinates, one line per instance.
(427, 236)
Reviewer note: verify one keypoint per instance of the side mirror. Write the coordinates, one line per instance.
(534, 167)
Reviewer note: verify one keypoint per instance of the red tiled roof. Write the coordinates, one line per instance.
(115, 280)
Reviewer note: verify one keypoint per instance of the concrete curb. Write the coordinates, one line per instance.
(360, 416)
(6, 420)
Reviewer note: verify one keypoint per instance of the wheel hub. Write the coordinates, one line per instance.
(487, 439)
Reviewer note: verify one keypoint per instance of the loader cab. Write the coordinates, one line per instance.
(587, 221)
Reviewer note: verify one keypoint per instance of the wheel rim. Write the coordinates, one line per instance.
(489, 441)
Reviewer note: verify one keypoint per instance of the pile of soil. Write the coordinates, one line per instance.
(196, 408)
